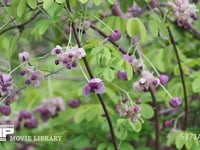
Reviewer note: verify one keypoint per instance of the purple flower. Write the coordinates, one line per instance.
(122, 75)
(115, 35)
(138, 101)
(5, 110)
(74, 103)
(163, 79)
(153, 3)
(128, 58)
(175, 102)
(137, 109)
(168, 123)
(31, 123)
(124, 100)
(95, 85)
(24, 56)
(24, 114)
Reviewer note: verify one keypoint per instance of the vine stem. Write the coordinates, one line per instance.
(156, 119)
(171, 38)
(98, 95)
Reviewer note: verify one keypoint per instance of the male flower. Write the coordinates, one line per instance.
(95, 85)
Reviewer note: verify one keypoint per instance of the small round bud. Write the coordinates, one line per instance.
(74, 103)
(168, 123)
(24, 114)
(22, 73)
(57, 62)
(137, 109)
(138, 101)
(153, 3)
(74, 64)
(163, 79)
(115, 35)
(128, 58)
(57, 51)
(33, 77)
(27, 81)
(65, 60)
(122, 75)
(175, 102)
(124, 100)
(31, 123)
(5, 110)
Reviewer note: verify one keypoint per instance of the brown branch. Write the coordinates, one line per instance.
(98, 95)
(20, 26)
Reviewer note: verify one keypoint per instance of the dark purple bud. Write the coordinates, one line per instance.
(24, 114)
(194, 16)
(70, 55)
(22, 73)
(57, 62)
(124, 100)
(74, 64)
(153, 3)
(17, 126)
(137, 109)
(138, 101)
(57, 51)
(69, 66)
(31, 123)
(65, 60)
(163, 79)
(28, 81)
(128, 58)
(74, 103)
(45, 114)
(5, 110)
(189, 26)
(175, 102)
(115, 35)
(33, 77)
(168, 123)
(155, 82)
(122, 75)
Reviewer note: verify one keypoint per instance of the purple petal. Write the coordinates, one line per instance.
(100, 89)
(86, 90)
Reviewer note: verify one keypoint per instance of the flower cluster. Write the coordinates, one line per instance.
(33, 76)
(95, 85)
(50, 108)
(184, 12)
(129, 111)
(69, 57)
(147, 79)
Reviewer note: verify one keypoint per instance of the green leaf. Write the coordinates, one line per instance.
(136, 126)
(111, 1)
(196, 85)
(32, 3)
(179, 142)
(60, 1)
(171, 137)
(153, 25)
(21, 8)
(80, 114)
(135, 27)
(121, 132)
(147, 111)
(47, 3)
(129, 70)
(96, 2)
(124, 5)
(106, 56)
(42, 26)
(83, 1)
(102, 146)
(108, 74)
(126, 146)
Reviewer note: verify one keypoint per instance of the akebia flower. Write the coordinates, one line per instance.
(115, 35)
(95, 85)
(184, 12)
(127, 58)
(175, 102)
(31, 123)
(24, 56)
(5, 110)
(5, 84)
(70, 57)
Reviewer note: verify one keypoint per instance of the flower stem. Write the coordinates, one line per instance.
(171, 38)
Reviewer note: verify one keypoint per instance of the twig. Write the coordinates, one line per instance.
(182, 77)
(99, 96)
(156, 119)
(20, 26)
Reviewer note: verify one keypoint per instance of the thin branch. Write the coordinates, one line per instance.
(99, 96)
(156, 118)
(172, 40)
(20, 26)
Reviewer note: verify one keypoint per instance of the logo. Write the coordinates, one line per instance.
(6, 130)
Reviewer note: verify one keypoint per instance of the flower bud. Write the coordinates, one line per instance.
(175, 102)
(138, 101)
(74, 103)
(5, 110)
(153, 3)
(168, 123)
(31, 123)
(115, 35)
(128, 58)
(122, 75)
(137, 109)
(163, 79)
